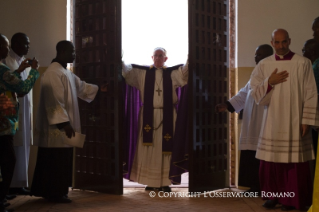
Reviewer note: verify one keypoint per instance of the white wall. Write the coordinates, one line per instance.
(44, 21)
(258, 18)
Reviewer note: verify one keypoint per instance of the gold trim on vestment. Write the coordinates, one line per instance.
(147, 128)
(147, 144)
(174, 163)
(167, 137)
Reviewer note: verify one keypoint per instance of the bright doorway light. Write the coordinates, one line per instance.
(147, 24)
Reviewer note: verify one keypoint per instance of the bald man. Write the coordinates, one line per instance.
(252, 118)
(284, 83)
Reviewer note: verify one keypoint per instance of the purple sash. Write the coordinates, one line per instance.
(168, 108)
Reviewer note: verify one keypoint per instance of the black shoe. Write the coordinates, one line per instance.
(270, 204)
(24, 191)
(147, 188)
(166, 189)
(3, 209)
(6, 204)
(6, 210)
(10, 197)
(59, 199)
(287, 208)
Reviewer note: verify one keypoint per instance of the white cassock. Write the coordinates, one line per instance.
(150, 165)
(60, 89)
(288, 105)
(252, 118)
(23, 137)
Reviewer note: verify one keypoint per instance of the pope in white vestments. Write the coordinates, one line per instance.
(58, 116)
(151, 165)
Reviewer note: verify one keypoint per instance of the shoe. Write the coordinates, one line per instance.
(6, 204)
(24, 191)
(62, 199)
(166, 189)
(270, 204)
(287, 208)
(6, 210)
(10, 197)
(3, 209)
(147, 188)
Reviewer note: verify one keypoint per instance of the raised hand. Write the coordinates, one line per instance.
(25, 64)
(276, 78)
(103, 87)
(35, 63)
(220, 108)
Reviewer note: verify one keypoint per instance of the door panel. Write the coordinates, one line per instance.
(208, 85)
(97, 35)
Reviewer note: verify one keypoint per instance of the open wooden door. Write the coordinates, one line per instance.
(97, 36)
(208, 85)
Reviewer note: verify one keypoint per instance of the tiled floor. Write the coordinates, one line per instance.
(136, 199)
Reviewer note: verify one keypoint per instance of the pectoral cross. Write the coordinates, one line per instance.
(158, 91)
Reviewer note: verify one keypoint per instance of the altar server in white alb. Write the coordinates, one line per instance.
(285, 142)
(20, 45)
(58, 115)
(157, 117)
(250, 129)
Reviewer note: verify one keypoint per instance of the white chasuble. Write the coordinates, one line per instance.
(287, 106)
(151, 167)
(60, 89)
(23, 137)
(252, 118)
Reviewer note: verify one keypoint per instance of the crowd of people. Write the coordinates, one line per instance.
(58, 118)
(278, 136)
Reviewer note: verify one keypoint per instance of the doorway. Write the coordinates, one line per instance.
(147, 24)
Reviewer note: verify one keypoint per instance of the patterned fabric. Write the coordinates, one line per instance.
(315, 67)
(11, 83)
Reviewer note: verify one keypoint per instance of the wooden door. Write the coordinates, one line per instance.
(97, 37)
(208, 85)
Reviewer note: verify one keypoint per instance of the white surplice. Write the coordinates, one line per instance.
(151, 167)
(252, 118)
(23, 137)
(60, 89)
(287, 106)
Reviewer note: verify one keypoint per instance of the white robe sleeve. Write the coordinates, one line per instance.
(55, 90)
(133, 76)
(180, 75)
(85, 91)
(238, 101)
(259, 86)
(310, 113)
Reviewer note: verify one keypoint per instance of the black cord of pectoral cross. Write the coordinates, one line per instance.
(158, 87)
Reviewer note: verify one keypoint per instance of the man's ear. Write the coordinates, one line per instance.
(165, 59)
